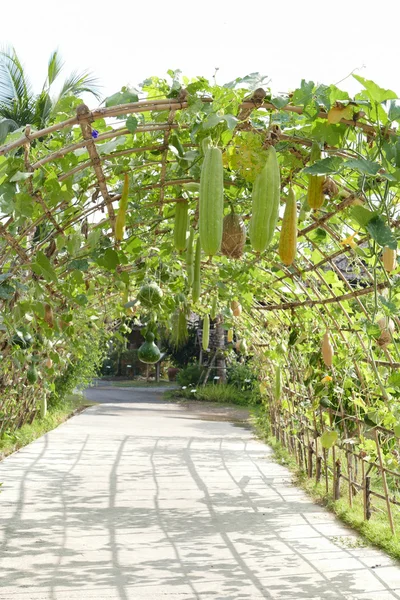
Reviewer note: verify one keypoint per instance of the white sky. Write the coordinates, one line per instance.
(126, 41)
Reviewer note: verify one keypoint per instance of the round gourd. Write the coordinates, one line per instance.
(150, 295)
(265, 203)
(236, 308)
(180, 225)
(387, 329)
(148, 352)
(32, 374)
(233, 236)
(48, 363)
(211, 201)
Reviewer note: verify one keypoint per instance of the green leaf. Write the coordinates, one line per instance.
(19, 176)
(231, 121)
(131, 123)
(326, 166)
(6, 291)
(328, 438)
(396, 430)
(394, 111)
(362, 215)
(125, 96)
(81, 264)
(24, 204)
(374, 92)
(212, 121)
(110, 259)
(366, 167)
(304, 95)
(394, 380)
(81, 299)
(391, 306)
(43, 267)
(279, 102)
(381, 233)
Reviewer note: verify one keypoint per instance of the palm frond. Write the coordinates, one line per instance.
(53, 69)
(13, 82)
(77, 83)
(42, 109)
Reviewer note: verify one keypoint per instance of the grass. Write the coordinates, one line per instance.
(10, 442)
(222, 394)
(376, 531)
(138, 383)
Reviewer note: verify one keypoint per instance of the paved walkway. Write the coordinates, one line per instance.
(139, 499)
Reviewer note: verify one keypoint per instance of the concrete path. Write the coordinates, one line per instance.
(140, 499)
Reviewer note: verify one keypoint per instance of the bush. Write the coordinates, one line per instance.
(190, 375)
(80, 371)
(242, 376)
(222, 393)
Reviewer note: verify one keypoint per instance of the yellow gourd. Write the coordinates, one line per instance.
(327, 350)
(288, 236)
(389, 259)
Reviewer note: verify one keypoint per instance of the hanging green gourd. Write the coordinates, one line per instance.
(148, 352)
(206, 332)
(265, 203)
(278, 383)
(43, 406)
(180, 225)
(150, 295)
(123, 204)
(189, 258)
(315, 192)
(196, 289)
(211, 201)
(214, 307)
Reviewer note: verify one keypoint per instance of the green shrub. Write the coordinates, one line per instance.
(222, 393)
(242, 376)
(80, 371)
(190, 375)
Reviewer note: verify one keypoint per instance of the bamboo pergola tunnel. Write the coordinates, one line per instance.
(89, 215)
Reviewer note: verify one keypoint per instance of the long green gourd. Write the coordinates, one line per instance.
(189, 258)
(265, 203)
(206, 332)
(180, 225)
(196, 289)
(211, 201)
(315, 192)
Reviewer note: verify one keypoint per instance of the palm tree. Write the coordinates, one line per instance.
(20, 106)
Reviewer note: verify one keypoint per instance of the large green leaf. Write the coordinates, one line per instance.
(326, 166)
(43, 267)
(375, 93)
(381, 233)
(366, 167)
(125, 96)
(328, 439)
